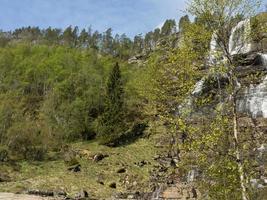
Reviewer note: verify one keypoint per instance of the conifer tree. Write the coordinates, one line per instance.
(111, 125)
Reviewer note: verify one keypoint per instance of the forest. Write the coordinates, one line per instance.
(179, 113)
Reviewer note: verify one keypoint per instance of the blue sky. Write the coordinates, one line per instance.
(123, 16)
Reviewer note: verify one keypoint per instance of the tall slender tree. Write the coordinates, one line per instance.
(218, 17)
(111, 125)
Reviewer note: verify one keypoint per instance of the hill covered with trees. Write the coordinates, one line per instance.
(177, 114)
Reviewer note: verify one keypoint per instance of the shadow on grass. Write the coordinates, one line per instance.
(130, 137)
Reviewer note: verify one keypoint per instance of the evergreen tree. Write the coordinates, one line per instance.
(70, 36)
(51, 36)
(95, 40)
(156, 36)
(111, 124)
(148, 41)
(168, 28)
(107, 46)
(83, 38)
(138, 44)
(125, 47)
(184, 21)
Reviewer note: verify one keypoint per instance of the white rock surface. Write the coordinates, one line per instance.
(239, 42)
(255, 97)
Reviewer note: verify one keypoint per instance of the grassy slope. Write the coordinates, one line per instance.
(53, 175)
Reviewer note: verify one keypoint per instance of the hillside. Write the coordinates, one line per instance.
(180, 113)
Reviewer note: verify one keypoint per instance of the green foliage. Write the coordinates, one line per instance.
(25, 141)
(55, 94)
(53, 91)
(259, 27)
(111, 123)
(166, 83)
(168, 27)
(74, 103)
(106, 43)
(183, 22)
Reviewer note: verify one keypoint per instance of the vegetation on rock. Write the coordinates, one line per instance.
(75, 113)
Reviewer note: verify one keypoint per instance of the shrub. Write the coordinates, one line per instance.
(25, 141)
(4, 154)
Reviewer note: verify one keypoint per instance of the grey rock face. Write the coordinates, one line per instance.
(253, 101)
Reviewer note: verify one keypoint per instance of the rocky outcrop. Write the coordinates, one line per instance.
(138, 59)
(250, 61)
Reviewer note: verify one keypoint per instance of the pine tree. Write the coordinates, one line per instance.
(168, 28)
(107, 46)
(183, 22)
(111, 125)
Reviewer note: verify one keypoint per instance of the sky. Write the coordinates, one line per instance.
(123, 16)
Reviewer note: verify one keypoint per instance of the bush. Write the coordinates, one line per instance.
(4, 154)
(71, 107)
(25, 141)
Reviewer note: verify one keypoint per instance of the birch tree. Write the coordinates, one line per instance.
(220, 17)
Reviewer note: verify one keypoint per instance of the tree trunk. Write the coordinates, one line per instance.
(237, 152)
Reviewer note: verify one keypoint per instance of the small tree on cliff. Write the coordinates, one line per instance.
(111, 124)
(220, 17)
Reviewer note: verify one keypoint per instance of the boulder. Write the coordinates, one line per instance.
(142, 163)
(99, 156)
(82, 195)
(248, 59)
(85, 154)
(100, 182)
(75, 168)
(121, 170)
(113, 185)
(41, 193)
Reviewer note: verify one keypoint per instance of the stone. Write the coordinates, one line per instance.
(194, 193)
(253, 100)
(156, 157)
(141, 163)
(85, 154)
(113, 185)
(137, 59)
(99, 156)
(100, 182)
(173, 163)
(131, 196)
(61, 193)
(82, 195)
(121, 170)
(100, 179)
(75, 168)
(41, 193)
(135, 183)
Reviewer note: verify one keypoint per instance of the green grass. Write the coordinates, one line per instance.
(53, 175)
